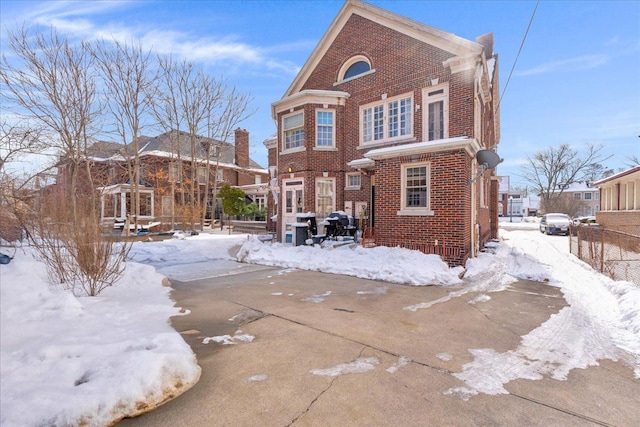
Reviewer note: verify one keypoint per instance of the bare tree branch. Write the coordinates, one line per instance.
(130, 84)
(552, 170)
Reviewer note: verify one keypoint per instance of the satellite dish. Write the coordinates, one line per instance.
(488, 159)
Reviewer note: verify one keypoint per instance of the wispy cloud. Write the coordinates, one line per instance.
(83, 21)
(579, 63)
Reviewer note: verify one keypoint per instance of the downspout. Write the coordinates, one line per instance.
(473, 212)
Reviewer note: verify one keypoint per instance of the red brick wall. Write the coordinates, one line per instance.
(402, 65)
(242, 147)
(450, 201)
(242, 158)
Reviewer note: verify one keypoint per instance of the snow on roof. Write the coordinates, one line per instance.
(470, 144)
(635, 169)
(491, 63)
(580, 186)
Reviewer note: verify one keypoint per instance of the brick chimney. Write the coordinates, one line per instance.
(242, 147)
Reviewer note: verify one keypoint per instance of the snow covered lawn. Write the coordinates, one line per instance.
(72, 360)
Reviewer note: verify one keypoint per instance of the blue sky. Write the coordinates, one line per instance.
(576, 81)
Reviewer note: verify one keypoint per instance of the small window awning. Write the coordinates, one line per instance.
(364, 163)
(470, 145)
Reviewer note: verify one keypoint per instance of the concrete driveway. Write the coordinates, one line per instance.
(397, 365)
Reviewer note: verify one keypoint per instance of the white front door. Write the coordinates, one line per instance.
(292, 204)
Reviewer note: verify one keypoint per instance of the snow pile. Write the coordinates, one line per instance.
(89, 360)
(395, 265)
(187, 258)
(602, 320)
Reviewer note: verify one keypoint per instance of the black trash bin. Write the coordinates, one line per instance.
(300, 233)
(310, 219)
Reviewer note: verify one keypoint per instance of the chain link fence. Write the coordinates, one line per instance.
(610, 252)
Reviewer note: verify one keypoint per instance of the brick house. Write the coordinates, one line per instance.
(383, 122)
(620, 201)
(166, 177)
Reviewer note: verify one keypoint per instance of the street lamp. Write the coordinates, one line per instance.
(510, 208)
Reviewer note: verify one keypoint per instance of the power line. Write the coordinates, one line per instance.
(519, 50)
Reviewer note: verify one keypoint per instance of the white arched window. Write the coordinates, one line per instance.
(356, 66)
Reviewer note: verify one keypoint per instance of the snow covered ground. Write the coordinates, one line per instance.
(67, 359)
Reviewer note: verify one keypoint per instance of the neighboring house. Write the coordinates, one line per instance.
(166, 177)
(620, 201)
(513, 202)
(383, 122)
(510, 202)
(576, 199)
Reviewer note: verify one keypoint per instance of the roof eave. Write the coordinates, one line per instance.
(449, 42)
(470, 145)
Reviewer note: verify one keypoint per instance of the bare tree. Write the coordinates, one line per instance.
(552, 170)
(632, 161)
(130, 81)
(198, 94)
(18, 139)
(167, 114)
(232, 109)
(205, 106)
(53, 81)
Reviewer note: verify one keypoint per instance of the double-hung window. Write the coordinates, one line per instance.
(415, 197)
(202, 174)
(293, 128)
(436, 113)
(325, 128)
(325, 196)
(387, 120)
(353, 181)
(175, 172)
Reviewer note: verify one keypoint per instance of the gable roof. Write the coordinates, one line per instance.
(167, 145)
(441, 39)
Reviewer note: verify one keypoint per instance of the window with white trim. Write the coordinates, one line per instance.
(293, 130)
(436, 112)
(325, 128)
(260, 201)
(356, 66)
(415, 196)
(202, 174)
(577, 196)
(175, 172)
(325, 196)
(387, 120)
(353, 181)
(587, 196)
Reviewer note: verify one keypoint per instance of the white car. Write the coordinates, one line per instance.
(555, 223)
